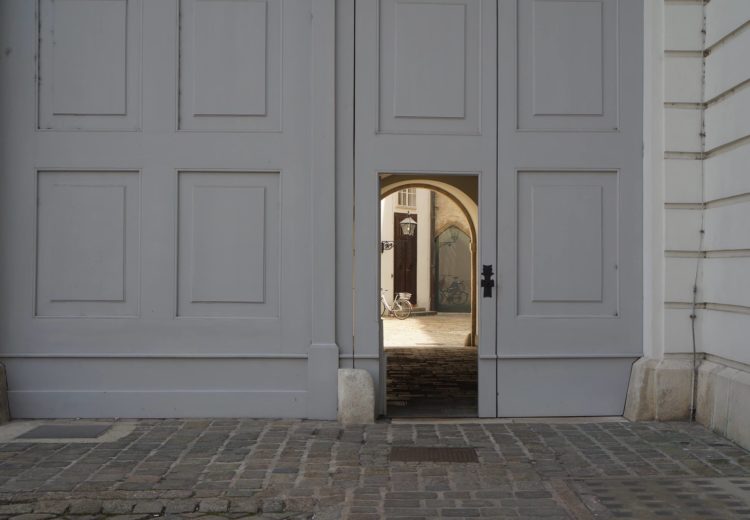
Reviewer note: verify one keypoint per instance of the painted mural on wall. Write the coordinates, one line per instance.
(453, 270)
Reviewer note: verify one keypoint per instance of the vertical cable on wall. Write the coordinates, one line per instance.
(702, 231)
(354, 185)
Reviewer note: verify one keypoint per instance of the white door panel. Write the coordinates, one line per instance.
(569, 205)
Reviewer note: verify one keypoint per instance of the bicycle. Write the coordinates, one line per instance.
(400, 308)
(455, 293)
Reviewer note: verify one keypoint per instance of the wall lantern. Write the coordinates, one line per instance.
(408, 228)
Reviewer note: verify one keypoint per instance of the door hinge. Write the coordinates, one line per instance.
(487, 282)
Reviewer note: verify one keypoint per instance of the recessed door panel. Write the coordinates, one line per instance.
(567, 244)
(430, 66)
(228, 250)
(87, 247)
(230, 65)
(89, 69)
(568, 65)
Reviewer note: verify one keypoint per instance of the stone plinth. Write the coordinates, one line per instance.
(356, 397)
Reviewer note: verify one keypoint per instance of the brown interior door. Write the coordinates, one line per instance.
(404, 258)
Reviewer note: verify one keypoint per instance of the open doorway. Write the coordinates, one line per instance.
(428, 232)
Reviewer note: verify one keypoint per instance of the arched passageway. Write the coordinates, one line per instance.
(431, 359)
(463, 191)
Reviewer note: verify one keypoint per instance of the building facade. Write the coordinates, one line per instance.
(435, 265)
(190, 197)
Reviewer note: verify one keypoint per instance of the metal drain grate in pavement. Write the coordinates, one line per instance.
(66, 431)
(432, 454)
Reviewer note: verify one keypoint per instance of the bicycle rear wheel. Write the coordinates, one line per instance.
(402, 309)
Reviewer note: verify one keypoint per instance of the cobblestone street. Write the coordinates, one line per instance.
(307, 469)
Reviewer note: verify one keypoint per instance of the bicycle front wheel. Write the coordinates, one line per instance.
(402, 309)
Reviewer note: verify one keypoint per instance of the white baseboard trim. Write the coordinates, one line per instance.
(157, 404)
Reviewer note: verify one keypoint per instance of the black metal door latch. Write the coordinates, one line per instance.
(487, 282)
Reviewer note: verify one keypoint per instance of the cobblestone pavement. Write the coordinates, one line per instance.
(430, 371)
(310, 469)
(444, 329)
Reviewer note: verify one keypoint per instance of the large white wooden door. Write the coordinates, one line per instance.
(425, 103)
(559, 164)
(569, 205)
(155, 207)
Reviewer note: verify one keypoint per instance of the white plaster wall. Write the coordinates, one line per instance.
(386, 233)
(726, 268)
(387, 208)
(682, 95)
(706, 94)
(724, 17)
(424, 256)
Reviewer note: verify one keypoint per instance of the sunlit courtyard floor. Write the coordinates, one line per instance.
(446, 330)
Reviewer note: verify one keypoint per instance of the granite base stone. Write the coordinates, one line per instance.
(660, 389)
